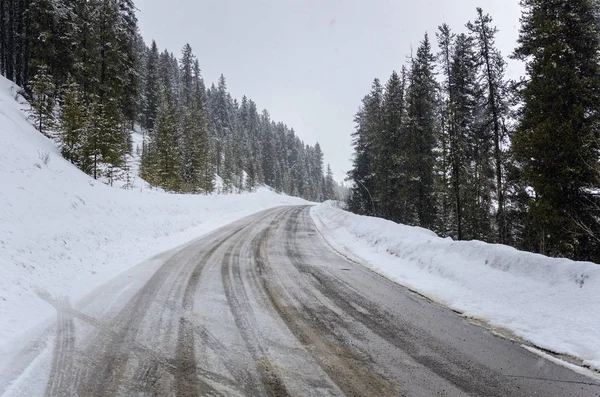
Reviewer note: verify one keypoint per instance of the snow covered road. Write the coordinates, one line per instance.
(264, 307)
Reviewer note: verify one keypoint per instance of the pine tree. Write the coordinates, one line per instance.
(329, 183)
(449, 223)
(127, 35)
(316, 172)
(494, 68)
(152, 89)
(390, 151)
(465, 146)
(41, 36)
(187, 77)
(368, 123)
(269, 157)
(165, 162)
(72, 123)
(557, 137)
(42, 100)
(420, 138)
(203, 150)
(221, 123)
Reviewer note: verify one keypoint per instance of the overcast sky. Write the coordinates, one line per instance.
(310, 62)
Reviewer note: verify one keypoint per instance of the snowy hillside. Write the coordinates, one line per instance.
(63, 233)
(552, 303)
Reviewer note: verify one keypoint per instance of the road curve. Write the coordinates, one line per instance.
(263, 307)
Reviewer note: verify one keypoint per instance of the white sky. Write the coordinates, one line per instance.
(310, 62)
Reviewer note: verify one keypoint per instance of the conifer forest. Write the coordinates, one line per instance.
(91, 80)
(448, 142)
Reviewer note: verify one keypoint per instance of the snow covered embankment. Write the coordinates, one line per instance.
(553, 303)
(63, 233)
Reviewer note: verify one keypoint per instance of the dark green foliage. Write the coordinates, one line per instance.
(421, 124)
(557, 140)
(72, 123)
(42, 100)
(329, 190)
(152, 90)
(496, 108)
(363, 173)
(447, 156)
(84, 62)
(390, 162)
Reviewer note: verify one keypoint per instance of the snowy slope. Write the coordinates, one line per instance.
(553, 303)
(63, 233)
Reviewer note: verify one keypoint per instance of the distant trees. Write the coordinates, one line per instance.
(441, 150)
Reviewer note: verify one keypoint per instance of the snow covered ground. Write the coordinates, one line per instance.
(63, 233)
(552, 303)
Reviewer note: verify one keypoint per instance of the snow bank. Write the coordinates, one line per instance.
(64, 233)
(553, 303)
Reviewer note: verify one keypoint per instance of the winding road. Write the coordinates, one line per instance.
(263, 307)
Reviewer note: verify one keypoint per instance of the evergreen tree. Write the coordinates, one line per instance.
(42, 100)
(269, 165)
(201, 140)
(390, 151)
(494, 68)
(420, 138)
(368, 122)
(41, 36)
(72, 123)
(329, 190)
(465, 148)
(557, 137)
(187, 77)
(164, 160)
(221, 123)
(110, 81)
(449, 223)
(152, 89)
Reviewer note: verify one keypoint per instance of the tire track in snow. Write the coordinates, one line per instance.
(62, 380)
(187, 381)
(270, 382)
(345, 367)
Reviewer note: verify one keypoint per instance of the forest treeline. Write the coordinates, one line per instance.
(91, 80)
(450, 144)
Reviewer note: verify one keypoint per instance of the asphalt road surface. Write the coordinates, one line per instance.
(263, 307)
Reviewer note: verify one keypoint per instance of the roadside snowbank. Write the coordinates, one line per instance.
(64, 233)
(553, 303)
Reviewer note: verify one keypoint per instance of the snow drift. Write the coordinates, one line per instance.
(63, 233)
(553, 303)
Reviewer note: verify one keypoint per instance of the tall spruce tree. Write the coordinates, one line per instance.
(72, 123)
(496, 109)
(390, 151)
(362, 174)
(152, 89)
(557, 137)
(468, 149)
(421, 102)
(42, 100)
(449, 223)
(165, 163)
(329, 190)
